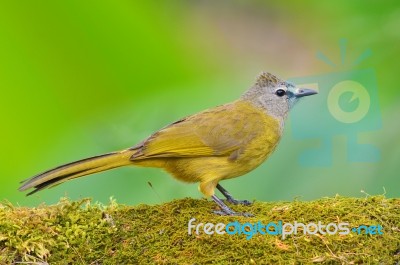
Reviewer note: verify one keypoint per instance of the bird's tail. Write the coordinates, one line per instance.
(76, 169)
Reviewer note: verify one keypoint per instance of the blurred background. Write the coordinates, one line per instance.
(82, 78)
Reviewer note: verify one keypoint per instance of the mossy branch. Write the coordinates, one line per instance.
(84, 233)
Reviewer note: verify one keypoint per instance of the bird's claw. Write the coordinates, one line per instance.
(236, 202)
(225, 210)
(233, 213)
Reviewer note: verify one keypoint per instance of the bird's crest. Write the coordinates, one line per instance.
(267, 79)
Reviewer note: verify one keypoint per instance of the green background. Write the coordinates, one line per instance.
(81, 78)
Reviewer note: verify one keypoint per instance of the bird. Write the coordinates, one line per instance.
(216, 144)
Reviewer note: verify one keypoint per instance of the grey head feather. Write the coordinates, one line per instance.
(263, 95)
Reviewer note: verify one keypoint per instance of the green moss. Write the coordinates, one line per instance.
(84, 233)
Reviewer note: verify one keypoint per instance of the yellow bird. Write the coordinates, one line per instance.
(219, 143)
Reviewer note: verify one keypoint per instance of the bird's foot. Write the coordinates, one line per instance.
(229, 197)
(236, 202)
(225, 210)
(233, 213)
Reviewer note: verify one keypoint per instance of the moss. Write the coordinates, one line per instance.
(81, 232)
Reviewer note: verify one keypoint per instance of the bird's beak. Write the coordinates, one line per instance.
(303, 92)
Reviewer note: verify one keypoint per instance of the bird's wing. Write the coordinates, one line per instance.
(216, 132)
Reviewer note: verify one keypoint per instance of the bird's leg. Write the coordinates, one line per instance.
(225, 210)
(229, 197)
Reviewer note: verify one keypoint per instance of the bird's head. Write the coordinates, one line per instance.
(274, 95)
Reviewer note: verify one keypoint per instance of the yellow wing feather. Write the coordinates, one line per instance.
(217, 132)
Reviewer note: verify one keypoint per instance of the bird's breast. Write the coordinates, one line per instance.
(258, 150)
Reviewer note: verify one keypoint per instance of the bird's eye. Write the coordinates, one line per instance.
(280, 92)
